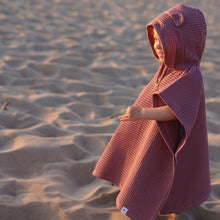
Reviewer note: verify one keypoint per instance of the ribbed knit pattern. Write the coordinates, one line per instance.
(164, 166)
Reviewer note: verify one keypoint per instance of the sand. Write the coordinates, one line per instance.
(68, 69)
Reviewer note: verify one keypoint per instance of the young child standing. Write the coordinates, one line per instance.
(158, 155)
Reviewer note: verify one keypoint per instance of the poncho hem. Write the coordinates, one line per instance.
(188, 207)
(182, 209)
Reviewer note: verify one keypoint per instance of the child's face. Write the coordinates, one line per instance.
(158, 46)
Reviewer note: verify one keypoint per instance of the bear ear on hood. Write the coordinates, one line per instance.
(177, 18)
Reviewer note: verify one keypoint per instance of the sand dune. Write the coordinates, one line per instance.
(68, 69)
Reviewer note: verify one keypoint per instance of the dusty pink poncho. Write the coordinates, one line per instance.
(164, 166)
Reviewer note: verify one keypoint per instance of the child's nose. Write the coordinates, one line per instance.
(157, 45)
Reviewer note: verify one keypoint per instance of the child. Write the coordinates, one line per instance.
(158, 155)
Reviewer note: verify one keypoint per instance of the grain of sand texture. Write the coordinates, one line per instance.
(68, 69)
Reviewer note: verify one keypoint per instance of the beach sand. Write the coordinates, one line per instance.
(68, 69)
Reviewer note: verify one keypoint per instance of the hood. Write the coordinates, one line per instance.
(182, 30)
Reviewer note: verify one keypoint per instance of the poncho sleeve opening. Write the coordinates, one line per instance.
(183, 98)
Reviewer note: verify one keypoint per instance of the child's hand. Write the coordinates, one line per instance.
(132, 113)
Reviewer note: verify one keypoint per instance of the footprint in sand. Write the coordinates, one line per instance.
(83, 110)
(54, 101)
(93, 144)
(17, 120)
(92, 97)
(45, 69)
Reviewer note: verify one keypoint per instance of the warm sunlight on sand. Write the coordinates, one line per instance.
(68, 69)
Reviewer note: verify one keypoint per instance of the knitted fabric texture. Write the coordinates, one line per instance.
(163, 166)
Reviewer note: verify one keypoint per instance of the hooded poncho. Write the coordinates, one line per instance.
(163, 166)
